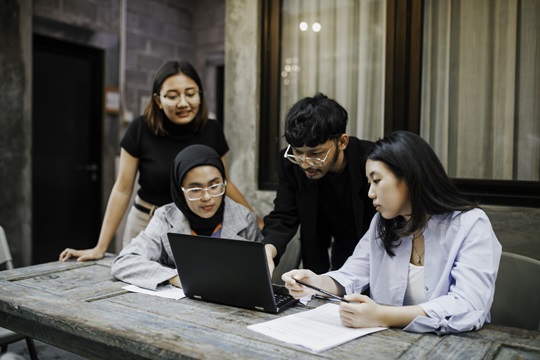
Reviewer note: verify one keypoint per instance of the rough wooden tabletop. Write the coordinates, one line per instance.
(81, 308)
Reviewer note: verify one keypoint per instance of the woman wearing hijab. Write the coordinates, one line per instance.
(199, 207)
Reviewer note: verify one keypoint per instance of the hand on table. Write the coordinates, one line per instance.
(81, 255)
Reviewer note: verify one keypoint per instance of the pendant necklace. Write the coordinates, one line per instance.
(418, 255)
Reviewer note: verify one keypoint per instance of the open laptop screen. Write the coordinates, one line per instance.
(226, 271)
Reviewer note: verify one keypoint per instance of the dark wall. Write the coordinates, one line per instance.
(15, 126)
(156, 31)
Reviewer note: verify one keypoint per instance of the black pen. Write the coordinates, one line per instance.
(322, 291)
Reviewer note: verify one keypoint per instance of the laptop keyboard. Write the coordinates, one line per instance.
(281, 299)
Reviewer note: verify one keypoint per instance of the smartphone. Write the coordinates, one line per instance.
(322, 291)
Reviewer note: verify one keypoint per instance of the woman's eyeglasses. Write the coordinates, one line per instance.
(197, 193)
(173, 99)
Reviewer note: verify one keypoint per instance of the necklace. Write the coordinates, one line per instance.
(418, 255)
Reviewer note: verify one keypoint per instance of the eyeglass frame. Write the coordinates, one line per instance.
(205, 190)
(305, 159)
(165, 101)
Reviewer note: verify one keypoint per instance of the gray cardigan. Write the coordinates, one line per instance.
(148, 261)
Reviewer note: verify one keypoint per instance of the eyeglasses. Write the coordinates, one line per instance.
(299, 160)
(197, 193)
(173, 99)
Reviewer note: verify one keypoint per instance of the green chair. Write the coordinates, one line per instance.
(517, 292)
(7, 336)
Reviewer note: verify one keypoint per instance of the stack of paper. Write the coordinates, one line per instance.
(317, 330)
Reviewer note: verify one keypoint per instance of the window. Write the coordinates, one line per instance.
(337, 48)
(463, 75)
(334, 47)
(481, 91)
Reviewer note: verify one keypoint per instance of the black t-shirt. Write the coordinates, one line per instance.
(156, 153)
(336, 215)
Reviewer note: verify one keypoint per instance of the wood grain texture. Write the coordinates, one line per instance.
(81, 308)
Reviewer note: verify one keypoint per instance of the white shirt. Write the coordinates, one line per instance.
(415, 293)
(462, 257)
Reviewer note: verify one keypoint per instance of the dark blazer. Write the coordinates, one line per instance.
(296, 204)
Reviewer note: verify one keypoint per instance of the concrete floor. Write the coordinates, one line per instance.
(45, 351)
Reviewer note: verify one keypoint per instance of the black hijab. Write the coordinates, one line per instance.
(187, 159)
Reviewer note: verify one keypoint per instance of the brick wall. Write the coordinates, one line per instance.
(156, 31)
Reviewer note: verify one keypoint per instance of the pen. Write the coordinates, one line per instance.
(322, 291)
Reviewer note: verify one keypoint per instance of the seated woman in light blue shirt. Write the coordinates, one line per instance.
(430, 257)
(200, 207)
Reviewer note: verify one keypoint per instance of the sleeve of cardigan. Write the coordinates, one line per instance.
(141, 263)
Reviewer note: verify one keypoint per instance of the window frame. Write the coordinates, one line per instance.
(403, 72)
(269, 94)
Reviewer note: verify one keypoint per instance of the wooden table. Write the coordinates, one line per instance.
(81, 308)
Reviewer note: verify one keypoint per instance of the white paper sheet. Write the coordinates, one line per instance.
(317, 330)
(167, 291)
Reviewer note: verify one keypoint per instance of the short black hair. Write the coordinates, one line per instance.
(314, 120)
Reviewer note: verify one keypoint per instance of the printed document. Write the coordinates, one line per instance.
(317, 330)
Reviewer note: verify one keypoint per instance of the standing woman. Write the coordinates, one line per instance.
(430, 257)
(175, 117)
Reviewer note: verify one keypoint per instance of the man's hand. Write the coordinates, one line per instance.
(271, 253)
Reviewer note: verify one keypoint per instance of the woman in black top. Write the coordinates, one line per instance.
(175, 117)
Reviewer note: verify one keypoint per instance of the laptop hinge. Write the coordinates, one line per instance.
(259, 308)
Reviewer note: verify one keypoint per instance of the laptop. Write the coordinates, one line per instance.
(227, 271)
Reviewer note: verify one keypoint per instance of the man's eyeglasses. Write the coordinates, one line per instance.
(197, 193)
(299, 160)
(173, 99)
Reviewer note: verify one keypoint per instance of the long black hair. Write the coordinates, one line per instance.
(431, 191)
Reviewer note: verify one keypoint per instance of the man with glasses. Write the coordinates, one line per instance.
(322, 187)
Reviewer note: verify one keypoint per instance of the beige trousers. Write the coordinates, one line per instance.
(136, 221)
